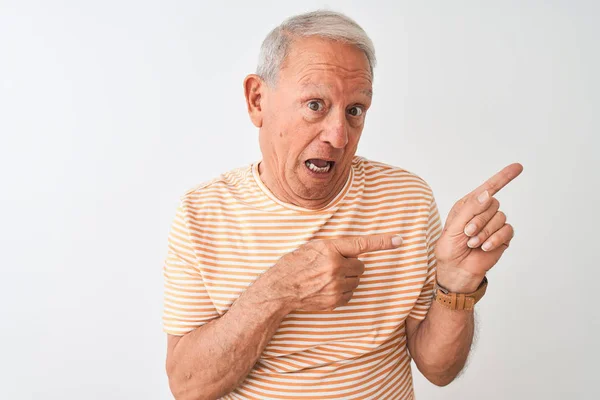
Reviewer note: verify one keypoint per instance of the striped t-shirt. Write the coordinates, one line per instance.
(228, 231)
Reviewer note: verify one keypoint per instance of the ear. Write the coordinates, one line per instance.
(254, 88)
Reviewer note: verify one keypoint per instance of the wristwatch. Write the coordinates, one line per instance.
(459, 301)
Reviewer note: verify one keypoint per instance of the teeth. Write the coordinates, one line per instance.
(316, 169)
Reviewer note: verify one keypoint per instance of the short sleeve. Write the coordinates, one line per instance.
(433, 233)
(187, 304)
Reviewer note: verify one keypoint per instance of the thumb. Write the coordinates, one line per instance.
(353, 246)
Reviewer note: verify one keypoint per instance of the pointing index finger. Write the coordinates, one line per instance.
(501, 179)
(352, 247)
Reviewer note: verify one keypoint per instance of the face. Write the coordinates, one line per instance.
(311, 120)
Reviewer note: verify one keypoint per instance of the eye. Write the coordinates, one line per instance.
(315, 105)
(355, 111)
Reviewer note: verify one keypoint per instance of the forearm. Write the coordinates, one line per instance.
(440, 344)
(214, 359)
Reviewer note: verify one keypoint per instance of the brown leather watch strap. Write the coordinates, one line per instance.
(459, 301)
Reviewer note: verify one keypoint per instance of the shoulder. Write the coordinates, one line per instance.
(221, 187)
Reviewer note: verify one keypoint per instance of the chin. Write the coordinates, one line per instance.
(311, 190)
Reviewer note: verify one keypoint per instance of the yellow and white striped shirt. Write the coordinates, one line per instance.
(228, 231)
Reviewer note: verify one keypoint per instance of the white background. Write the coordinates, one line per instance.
(110, 111)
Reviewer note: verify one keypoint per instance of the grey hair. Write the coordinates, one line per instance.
(322, 23)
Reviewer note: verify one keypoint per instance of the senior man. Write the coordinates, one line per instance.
(315, 273)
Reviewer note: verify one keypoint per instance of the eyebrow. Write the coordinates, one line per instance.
(367, 92)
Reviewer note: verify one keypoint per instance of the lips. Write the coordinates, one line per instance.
(319, 166)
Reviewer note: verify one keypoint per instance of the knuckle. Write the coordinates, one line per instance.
(485, 232)
(495, 203)
(501, 216)
(380, 242)
(480, 224)
(511, 230)
(480, 221)
(332, 302)
(459, 203)
(361, 267)
(359, 243)
(339, 301)
(345, 298)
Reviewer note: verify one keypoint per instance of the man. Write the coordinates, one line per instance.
(311, 273)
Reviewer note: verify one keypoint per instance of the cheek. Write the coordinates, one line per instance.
(298, 135)
(291, 134)
(357, 123)
(354, 136)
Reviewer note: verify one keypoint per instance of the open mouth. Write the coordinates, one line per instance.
(319, 166)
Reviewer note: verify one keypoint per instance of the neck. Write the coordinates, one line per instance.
(286, 196)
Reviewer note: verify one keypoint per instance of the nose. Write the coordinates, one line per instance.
(335, 131)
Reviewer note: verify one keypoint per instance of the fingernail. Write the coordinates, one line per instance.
(470, 229)
(397, 240)
(473, 242)
(486, 246)
(483, 197)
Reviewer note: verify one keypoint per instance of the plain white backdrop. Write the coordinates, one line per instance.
(110, 111)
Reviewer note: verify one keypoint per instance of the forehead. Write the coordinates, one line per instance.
(319, 63)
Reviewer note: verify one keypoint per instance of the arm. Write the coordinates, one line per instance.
(214, 359)
(473, 240)
(440, 343)
(438, 339)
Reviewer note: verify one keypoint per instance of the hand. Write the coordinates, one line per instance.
(322, 274)
(475, 235)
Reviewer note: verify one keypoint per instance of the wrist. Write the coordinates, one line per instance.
(268, 291)
(459, 301)
(458, 281)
